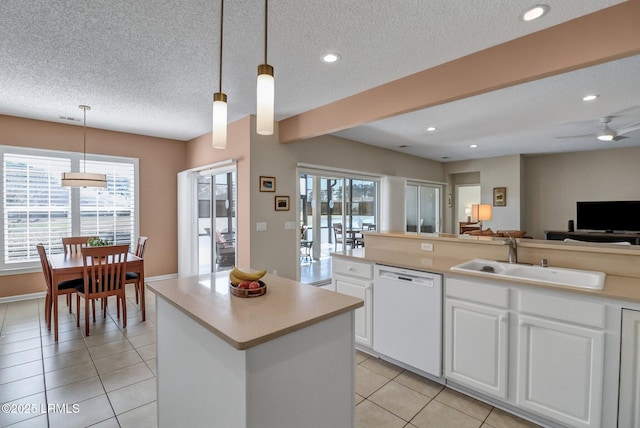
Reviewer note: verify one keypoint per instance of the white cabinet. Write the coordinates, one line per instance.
(538, 350)
(560, 369)
(561, 358)
(629, 410)
(476, 334)
(355, 278)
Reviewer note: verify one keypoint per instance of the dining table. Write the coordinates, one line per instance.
(70, 266)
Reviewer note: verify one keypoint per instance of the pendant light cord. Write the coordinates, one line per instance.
(266, 14)
(221, 33)
(84, 149)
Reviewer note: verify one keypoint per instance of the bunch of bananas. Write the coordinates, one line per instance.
(237, 276)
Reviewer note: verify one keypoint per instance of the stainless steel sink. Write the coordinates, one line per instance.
(557, 276)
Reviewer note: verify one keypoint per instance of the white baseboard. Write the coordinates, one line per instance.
(43, 294)
(20, 297)
(161, 277)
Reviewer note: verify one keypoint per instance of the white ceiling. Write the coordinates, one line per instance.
(151, 68)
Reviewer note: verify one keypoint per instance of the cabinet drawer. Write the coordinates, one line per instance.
(563, 308)
(477, 291)
(348, 267)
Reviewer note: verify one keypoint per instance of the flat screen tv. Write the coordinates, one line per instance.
(609, 216)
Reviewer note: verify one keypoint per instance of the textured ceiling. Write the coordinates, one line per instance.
(151, 67)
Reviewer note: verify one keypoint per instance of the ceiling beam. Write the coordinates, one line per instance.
(602, 36)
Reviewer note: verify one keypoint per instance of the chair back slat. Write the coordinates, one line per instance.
(142, 245)
(75, 244)
(104, 269)
(46, 266)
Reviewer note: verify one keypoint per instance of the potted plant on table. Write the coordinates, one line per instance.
(95, 241)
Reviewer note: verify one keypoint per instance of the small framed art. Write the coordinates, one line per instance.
(282, 203)
(499, 196)
(267, 184)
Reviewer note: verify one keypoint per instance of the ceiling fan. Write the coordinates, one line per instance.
(606, 133)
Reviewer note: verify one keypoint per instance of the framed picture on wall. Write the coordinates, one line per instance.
(282, 203)
(267, 184)
(499, 196)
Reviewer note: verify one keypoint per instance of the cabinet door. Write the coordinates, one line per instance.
(363, 320)
(560, 371)
(629, 411)
(476, 353)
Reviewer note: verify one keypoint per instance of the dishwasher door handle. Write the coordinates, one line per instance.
(404, 279)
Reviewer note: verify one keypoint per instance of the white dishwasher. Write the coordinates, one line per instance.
(407, 317)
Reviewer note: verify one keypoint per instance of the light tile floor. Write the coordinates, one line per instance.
(389, 396)
(108, 379)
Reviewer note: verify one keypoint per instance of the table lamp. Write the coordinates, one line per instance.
(480, 213)
(467, 212)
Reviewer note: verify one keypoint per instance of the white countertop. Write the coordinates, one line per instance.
(246, 322)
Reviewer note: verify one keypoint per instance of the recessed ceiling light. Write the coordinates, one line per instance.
(331, 58)
(431, 128)
(535, 12)
(590, 97)
(473, 146)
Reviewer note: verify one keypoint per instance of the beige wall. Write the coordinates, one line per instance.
(550, 184)
(504, 171)
(556, 182)
(159, 159)
(276, 248)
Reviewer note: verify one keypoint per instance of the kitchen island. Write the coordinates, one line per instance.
(285, 359)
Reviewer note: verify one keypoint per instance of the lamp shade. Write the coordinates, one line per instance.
(219, 131)
(83, 179)
(481, 212)
(265, 98)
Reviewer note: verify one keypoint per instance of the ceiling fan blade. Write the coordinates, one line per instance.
(628, 129)
(619, 137)
(576, 136)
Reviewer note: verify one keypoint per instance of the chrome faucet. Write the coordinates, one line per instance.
(513, 248)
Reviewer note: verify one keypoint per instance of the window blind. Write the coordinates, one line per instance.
(110, 213)
(36, 208)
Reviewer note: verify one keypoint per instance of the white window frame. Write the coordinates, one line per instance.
(75, 158)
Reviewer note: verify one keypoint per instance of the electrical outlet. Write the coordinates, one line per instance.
(261, 226)
(426, 246)
(289, 225)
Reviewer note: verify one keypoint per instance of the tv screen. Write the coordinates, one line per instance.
(609, 216)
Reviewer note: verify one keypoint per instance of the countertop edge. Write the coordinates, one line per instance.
(247, 344)
(614, 288)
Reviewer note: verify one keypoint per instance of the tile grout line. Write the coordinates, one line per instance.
(44, 378)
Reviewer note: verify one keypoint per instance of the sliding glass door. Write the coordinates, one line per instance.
(216, 221)
(332, 207)
(422, 205)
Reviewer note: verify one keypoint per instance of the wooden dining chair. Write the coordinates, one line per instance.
(104, 270)
(340, 237)
(64, 287)
(75, 244)
(132, 277)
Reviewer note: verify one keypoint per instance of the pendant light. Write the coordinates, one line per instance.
(265, 88)
(84, 179)
(219, 130)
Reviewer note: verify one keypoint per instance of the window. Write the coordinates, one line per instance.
(37, 209)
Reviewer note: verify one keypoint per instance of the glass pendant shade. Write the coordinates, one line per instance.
(83, 179)
(219, 132)
(265, 100)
